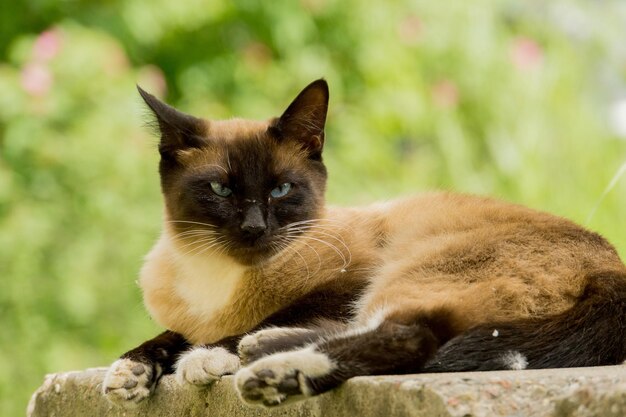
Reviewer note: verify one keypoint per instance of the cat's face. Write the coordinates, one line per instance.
(242, 187)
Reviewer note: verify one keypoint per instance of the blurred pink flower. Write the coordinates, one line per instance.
(526, 54)
(47, 45)
(315, 7)
(445, 94)
(36, 79)
(115, 62)
(410, 30)
(152, 79)
(256, 54)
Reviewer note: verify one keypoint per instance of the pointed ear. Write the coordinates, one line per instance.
(178, 130)
(304, 119)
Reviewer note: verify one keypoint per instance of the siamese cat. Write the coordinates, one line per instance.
(255, 276)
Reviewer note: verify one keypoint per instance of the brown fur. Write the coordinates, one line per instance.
(481, 259)
(477, 258)
(436, 282)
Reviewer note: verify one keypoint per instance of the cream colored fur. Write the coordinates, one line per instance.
(203, 366)
(186, 292)
(297, 364)
(128, 382)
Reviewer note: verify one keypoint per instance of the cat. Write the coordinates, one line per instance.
(255, 276)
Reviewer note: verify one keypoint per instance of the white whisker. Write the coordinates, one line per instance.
(306, 265)
(339, 239)
(287, 241)
(192, 222)
(197, 242)
(322, 241)
(195, 233)
(316, 221)
(205, 246)
(333, 247)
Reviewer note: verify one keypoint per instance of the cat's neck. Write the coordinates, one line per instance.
(197, 261)
(182, 288)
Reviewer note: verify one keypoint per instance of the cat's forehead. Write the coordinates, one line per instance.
(235, 129)
(238, 145)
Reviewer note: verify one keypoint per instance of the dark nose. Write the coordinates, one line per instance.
(253, 222)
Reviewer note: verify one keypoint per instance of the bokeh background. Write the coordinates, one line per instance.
(524, 100)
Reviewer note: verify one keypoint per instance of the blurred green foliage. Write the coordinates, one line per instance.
(519, 100)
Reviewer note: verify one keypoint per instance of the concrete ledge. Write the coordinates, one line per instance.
(554, 392)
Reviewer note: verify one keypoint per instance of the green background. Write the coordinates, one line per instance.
(514, 99)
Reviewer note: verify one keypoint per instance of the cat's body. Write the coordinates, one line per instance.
(520, 263)
(435, 282)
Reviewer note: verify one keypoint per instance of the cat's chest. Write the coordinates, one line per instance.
(207, 284)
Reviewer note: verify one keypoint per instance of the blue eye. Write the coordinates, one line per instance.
(281, 191)
(220, 189)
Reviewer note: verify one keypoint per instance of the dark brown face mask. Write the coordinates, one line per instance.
(244, 181)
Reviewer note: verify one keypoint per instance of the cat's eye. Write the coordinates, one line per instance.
(281, 191)
(220, 189)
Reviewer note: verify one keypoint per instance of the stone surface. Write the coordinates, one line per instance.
(576, 392)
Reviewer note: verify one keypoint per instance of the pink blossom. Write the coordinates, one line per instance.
(152, 77)
(115, 61)
(410, 30)
(36, 79)
(257, 54)
(47, 45)
(445, 94)
(315, 7)
(526, 54)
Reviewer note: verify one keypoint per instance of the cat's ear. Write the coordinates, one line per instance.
(178, 130)
(304, 119)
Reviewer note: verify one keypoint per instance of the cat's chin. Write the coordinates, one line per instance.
(254, 256)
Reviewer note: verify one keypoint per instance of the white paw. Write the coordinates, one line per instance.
(203, 366)
(250, 347)
(254, 340)
(282, 377)
(128, 382)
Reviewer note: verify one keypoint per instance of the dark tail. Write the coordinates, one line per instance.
(591, 333)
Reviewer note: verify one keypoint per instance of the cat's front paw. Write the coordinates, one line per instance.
(128, 382)
(264, 342)
(282, 377)
(203, 366)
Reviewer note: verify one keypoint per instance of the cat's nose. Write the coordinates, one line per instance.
(253, 222)
(253, 229)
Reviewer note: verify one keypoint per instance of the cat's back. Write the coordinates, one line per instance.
(433, 214)
(481, 257)
(444, 225)
(443, 212)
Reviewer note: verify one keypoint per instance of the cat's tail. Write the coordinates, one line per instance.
(591, 333)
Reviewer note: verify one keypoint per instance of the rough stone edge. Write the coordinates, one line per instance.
(580, 392)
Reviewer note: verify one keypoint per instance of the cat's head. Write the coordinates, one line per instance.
(240, 187)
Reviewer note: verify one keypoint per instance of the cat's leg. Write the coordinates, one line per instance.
(591, 333)
(386, 346)
(275, 339)
(254, 346)
(132, 378)
(205, 364)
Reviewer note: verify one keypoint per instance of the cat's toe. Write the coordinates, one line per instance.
(264, 387)
(203, 366)
(129, 382)
(281, 378)
(250, 347)
(264, 342)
